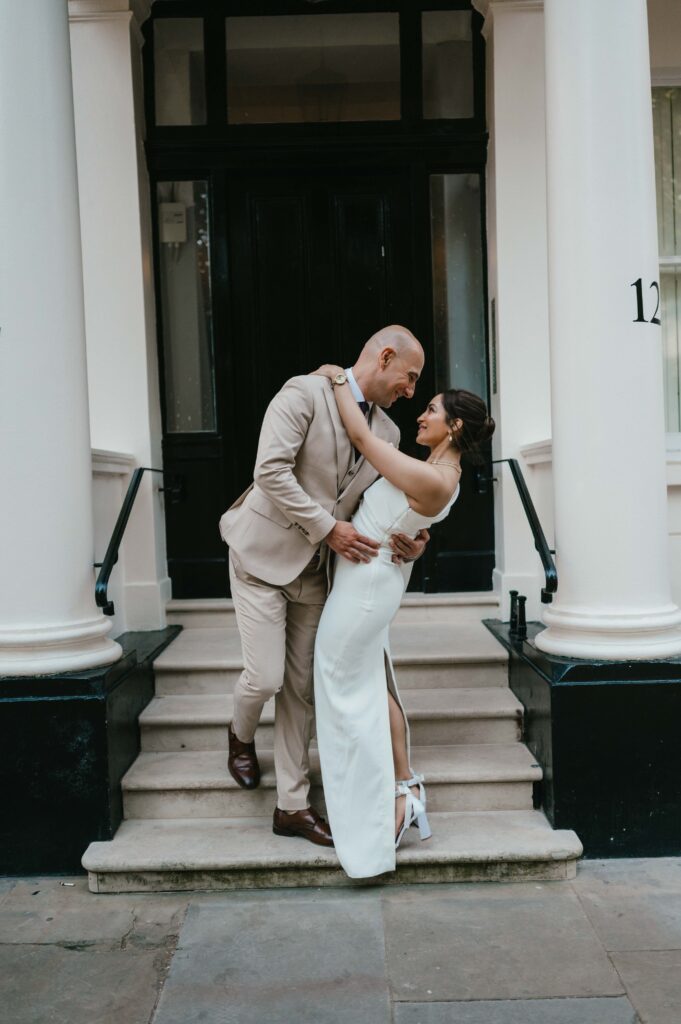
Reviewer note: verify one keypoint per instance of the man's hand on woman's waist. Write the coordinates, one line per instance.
(346, 541)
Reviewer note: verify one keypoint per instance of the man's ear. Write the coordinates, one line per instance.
(385, 356)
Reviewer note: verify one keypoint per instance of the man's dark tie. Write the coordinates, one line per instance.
(364, 406)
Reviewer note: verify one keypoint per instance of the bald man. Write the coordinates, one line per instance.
(283, 533)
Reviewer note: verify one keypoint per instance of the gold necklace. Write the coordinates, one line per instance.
(440, 462)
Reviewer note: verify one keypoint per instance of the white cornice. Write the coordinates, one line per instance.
(97, 10)
(112, 463)
(540, 451)
(488, 7)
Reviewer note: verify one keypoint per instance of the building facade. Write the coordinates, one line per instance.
(207, 198)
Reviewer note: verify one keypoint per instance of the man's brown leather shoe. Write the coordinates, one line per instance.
(242, 762)
(307, 824)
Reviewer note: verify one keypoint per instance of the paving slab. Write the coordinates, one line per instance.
(526, 941)
(41, 984)
(310, 960)
(615, 1010)
(63, 911)
(653, 983)
(6, 885)
(58, 910)
(157, 919)
(633, 904)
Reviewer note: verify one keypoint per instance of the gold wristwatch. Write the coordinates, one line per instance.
(340, 378)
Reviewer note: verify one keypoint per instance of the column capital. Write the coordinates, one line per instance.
(488, 8)
(136, 11)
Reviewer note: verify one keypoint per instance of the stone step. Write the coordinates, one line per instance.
(243, 853)
(218, 612)
(468, 777)
(208, 661)
(436, 717)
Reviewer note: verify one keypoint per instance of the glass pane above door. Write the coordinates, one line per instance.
(458, 283)
(447, 64)
(670, 315)
(322, 68)
(179, 71)
(667, 137)
(187, 328)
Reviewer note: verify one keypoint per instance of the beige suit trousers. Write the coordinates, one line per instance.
(278, 626)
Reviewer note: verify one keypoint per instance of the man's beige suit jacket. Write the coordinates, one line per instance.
(305, 479)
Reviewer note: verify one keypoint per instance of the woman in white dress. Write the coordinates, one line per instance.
(372, 794)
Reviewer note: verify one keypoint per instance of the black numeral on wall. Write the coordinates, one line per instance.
(640, 317)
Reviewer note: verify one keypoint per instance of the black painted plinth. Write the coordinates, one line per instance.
(67, 740)
(608, 737)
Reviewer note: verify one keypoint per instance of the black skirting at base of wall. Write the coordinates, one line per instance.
(608, 737)
(67, 741)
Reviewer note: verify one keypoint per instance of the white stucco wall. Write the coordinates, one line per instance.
(518, 287)
(123, 377)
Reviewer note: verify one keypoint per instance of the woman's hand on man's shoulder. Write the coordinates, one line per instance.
(328, 370)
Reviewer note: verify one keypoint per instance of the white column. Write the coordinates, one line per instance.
(518, 287)
(614, 599)
(120, 319)
(48, 618)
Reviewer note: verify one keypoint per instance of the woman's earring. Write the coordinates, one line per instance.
(450, 436)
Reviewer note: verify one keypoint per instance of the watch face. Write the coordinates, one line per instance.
(340, 378)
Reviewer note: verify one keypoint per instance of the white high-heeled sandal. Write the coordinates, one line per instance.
(414, 808)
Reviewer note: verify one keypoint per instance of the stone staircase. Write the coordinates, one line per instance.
(188, 825)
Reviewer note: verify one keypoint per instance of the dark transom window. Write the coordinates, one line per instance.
(237, 64)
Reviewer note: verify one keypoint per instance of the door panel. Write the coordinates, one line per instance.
(315, 265)
(280, 289)
(310, 282)
(359, 255)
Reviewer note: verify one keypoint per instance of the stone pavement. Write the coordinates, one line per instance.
(604, 948)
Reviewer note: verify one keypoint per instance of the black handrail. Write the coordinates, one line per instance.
(111, 556)
(540, 542)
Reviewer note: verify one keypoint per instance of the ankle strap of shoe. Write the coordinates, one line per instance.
(415, 780)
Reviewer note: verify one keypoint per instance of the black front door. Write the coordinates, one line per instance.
(314, 263)
(317, 266)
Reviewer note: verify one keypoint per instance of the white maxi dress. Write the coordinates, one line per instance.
(352, 674)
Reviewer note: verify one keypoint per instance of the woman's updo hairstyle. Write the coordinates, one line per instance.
(477, 426)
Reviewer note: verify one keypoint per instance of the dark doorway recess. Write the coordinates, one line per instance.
(298, 241)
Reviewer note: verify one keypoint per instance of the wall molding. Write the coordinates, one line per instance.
(112, 463)
(540, 451)
(487, 7)
(110, 10)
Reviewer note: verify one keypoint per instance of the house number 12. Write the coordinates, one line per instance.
(640, 318)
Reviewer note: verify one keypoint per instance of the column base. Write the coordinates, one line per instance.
(68, 740)
(48, 650)
(645, 635)
(605, 734)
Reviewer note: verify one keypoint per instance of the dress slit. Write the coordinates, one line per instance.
(391, 686)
